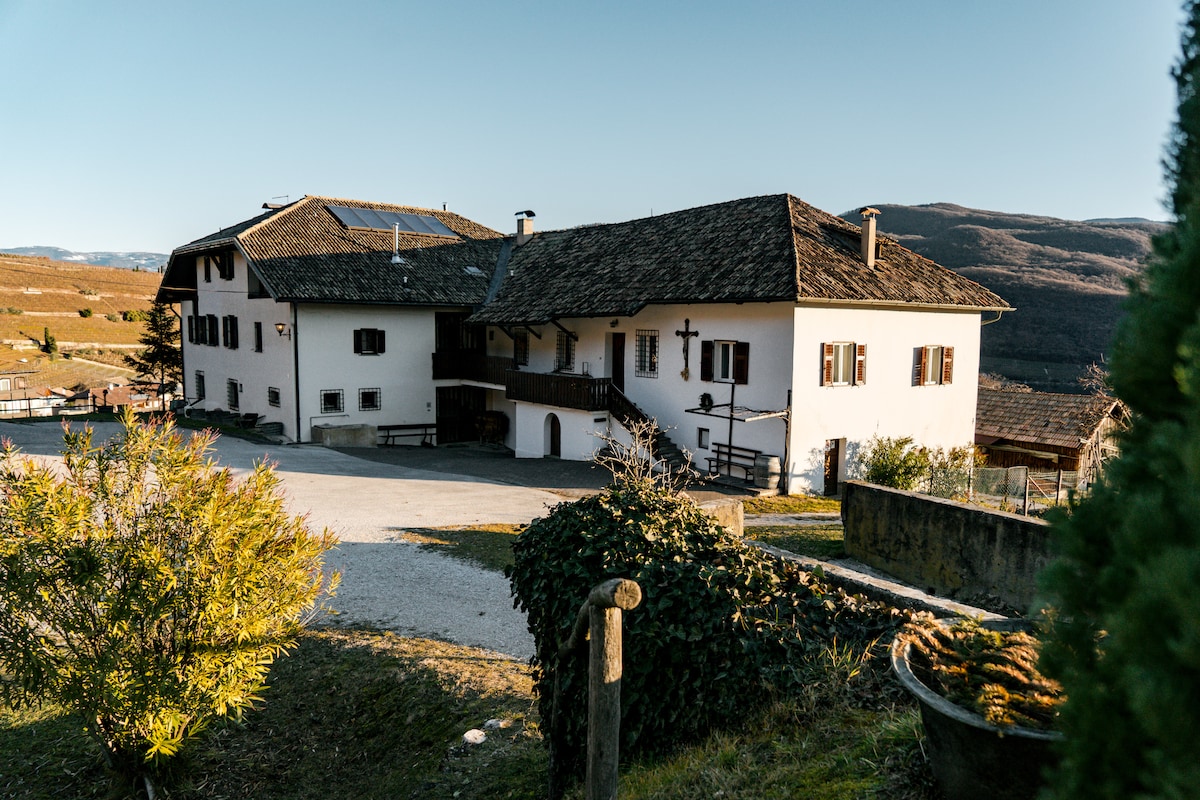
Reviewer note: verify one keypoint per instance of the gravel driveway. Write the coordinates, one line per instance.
(367, 504)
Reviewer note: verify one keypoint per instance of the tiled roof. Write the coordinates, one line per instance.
(771, 248)
(303, 254)
(1062, 420)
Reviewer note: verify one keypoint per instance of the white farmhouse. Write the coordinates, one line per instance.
(759, 334)
(324, 313)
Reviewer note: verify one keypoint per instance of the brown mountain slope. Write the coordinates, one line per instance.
(1066, 279)
(37, 294)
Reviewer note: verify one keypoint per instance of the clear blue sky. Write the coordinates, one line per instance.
(128, 125)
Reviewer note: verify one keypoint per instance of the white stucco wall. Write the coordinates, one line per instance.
(403, 373)
(254, 371)
(887, 404)
(785, 353)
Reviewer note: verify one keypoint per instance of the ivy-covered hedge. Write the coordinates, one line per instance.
(721, 626)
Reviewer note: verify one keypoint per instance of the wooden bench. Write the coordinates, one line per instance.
(731, 457)
(393, 433)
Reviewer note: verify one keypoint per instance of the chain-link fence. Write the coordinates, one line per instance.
(1021, 489)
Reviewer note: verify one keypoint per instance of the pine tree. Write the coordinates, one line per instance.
(1126, 583)
(161, 359)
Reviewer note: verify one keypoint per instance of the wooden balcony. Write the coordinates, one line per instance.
(470, 366)
(553, 389)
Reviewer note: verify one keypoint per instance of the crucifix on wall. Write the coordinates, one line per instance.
(686, 335)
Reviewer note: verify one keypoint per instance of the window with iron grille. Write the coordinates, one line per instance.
(368, 400)
(332, 401)
(564, 352)
(231, 394)
(273, 396)
(646, 365)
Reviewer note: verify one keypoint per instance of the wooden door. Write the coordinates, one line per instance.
(617, 360)
(833, 458)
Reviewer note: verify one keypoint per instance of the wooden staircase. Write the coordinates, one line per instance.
(662, 448)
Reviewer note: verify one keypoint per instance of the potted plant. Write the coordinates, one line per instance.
(989, 715)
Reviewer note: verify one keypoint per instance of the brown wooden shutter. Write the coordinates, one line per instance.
(706, 360)
(379, 343)
(827, 364)
(860, 364)
(741, 362)
(947, 364)
(358, 340)
(214, 331)
(191, 326)
(918, 366)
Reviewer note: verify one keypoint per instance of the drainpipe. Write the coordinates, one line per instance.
(296, 369)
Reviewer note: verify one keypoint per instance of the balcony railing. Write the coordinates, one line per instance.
(469, 366)
(551, 389)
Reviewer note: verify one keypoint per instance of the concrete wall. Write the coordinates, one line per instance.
(987, 558)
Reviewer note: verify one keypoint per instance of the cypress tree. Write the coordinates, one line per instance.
(1126, 583)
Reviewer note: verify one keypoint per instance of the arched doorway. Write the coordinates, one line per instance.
(553, 430)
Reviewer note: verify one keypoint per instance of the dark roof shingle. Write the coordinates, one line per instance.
(304, 254)
(1061, 420)
(760, 249)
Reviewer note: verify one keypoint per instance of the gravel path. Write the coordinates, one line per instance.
(367, 504)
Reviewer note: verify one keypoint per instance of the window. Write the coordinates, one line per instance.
(258, 337)
(564, 352)
(368, 400)
(646, 365)
(203, 329)
(368, 341)
(232, 388)
(224, 264)
(331, 401)
(725, 361)
(702, 438)
(200, 395)
(273, 396)
(229, 331)
(5, 384)
(521, 347)
(843, 364)
(933, 364)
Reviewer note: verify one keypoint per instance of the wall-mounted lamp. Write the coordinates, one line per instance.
(282, 329)
(612, 323)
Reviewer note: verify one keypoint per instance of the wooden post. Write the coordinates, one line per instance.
(1058, 488)
(604, 683)
(1025, 507)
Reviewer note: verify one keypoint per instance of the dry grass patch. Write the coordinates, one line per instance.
(792, 504)
(815, 541)
(488, 546)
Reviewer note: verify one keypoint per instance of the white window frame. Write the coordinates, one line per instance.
(723, 355)
(843, 364)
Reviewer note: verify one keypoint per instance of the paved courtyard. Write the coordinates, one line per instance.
(369, 496)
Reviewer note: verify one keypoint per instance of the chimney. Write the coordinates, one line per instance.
(868, 235)
(524, 226)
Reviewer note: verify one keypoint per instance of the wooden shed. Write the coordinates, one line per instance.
(1048, 432)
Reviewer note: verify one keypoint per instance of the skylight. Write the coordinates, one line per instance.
(373, 220)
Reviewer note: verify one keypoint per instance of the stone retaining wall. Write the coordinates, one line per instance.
(986, 558)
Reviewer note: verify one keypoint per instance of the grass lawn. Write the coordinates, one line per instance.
(358, 713)
(792, 504)
(815, 541)
(366, 714)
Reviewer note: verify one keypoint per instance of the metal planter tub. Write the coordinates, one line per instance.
(971, 758)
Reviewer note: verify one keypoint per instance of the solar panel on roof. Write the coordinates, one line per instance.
(372, 219)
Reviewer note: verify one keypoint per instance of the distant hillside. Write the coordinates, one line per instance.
(147, 262)
(1066, 279)
(84, 307)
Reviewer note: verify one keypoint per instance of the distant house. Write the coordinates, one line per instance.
(753, 332)
(1048, 432)
(322, 313)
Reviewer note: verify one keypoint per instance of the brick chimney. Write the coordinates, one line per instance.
(524, 227)
(868, 235)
